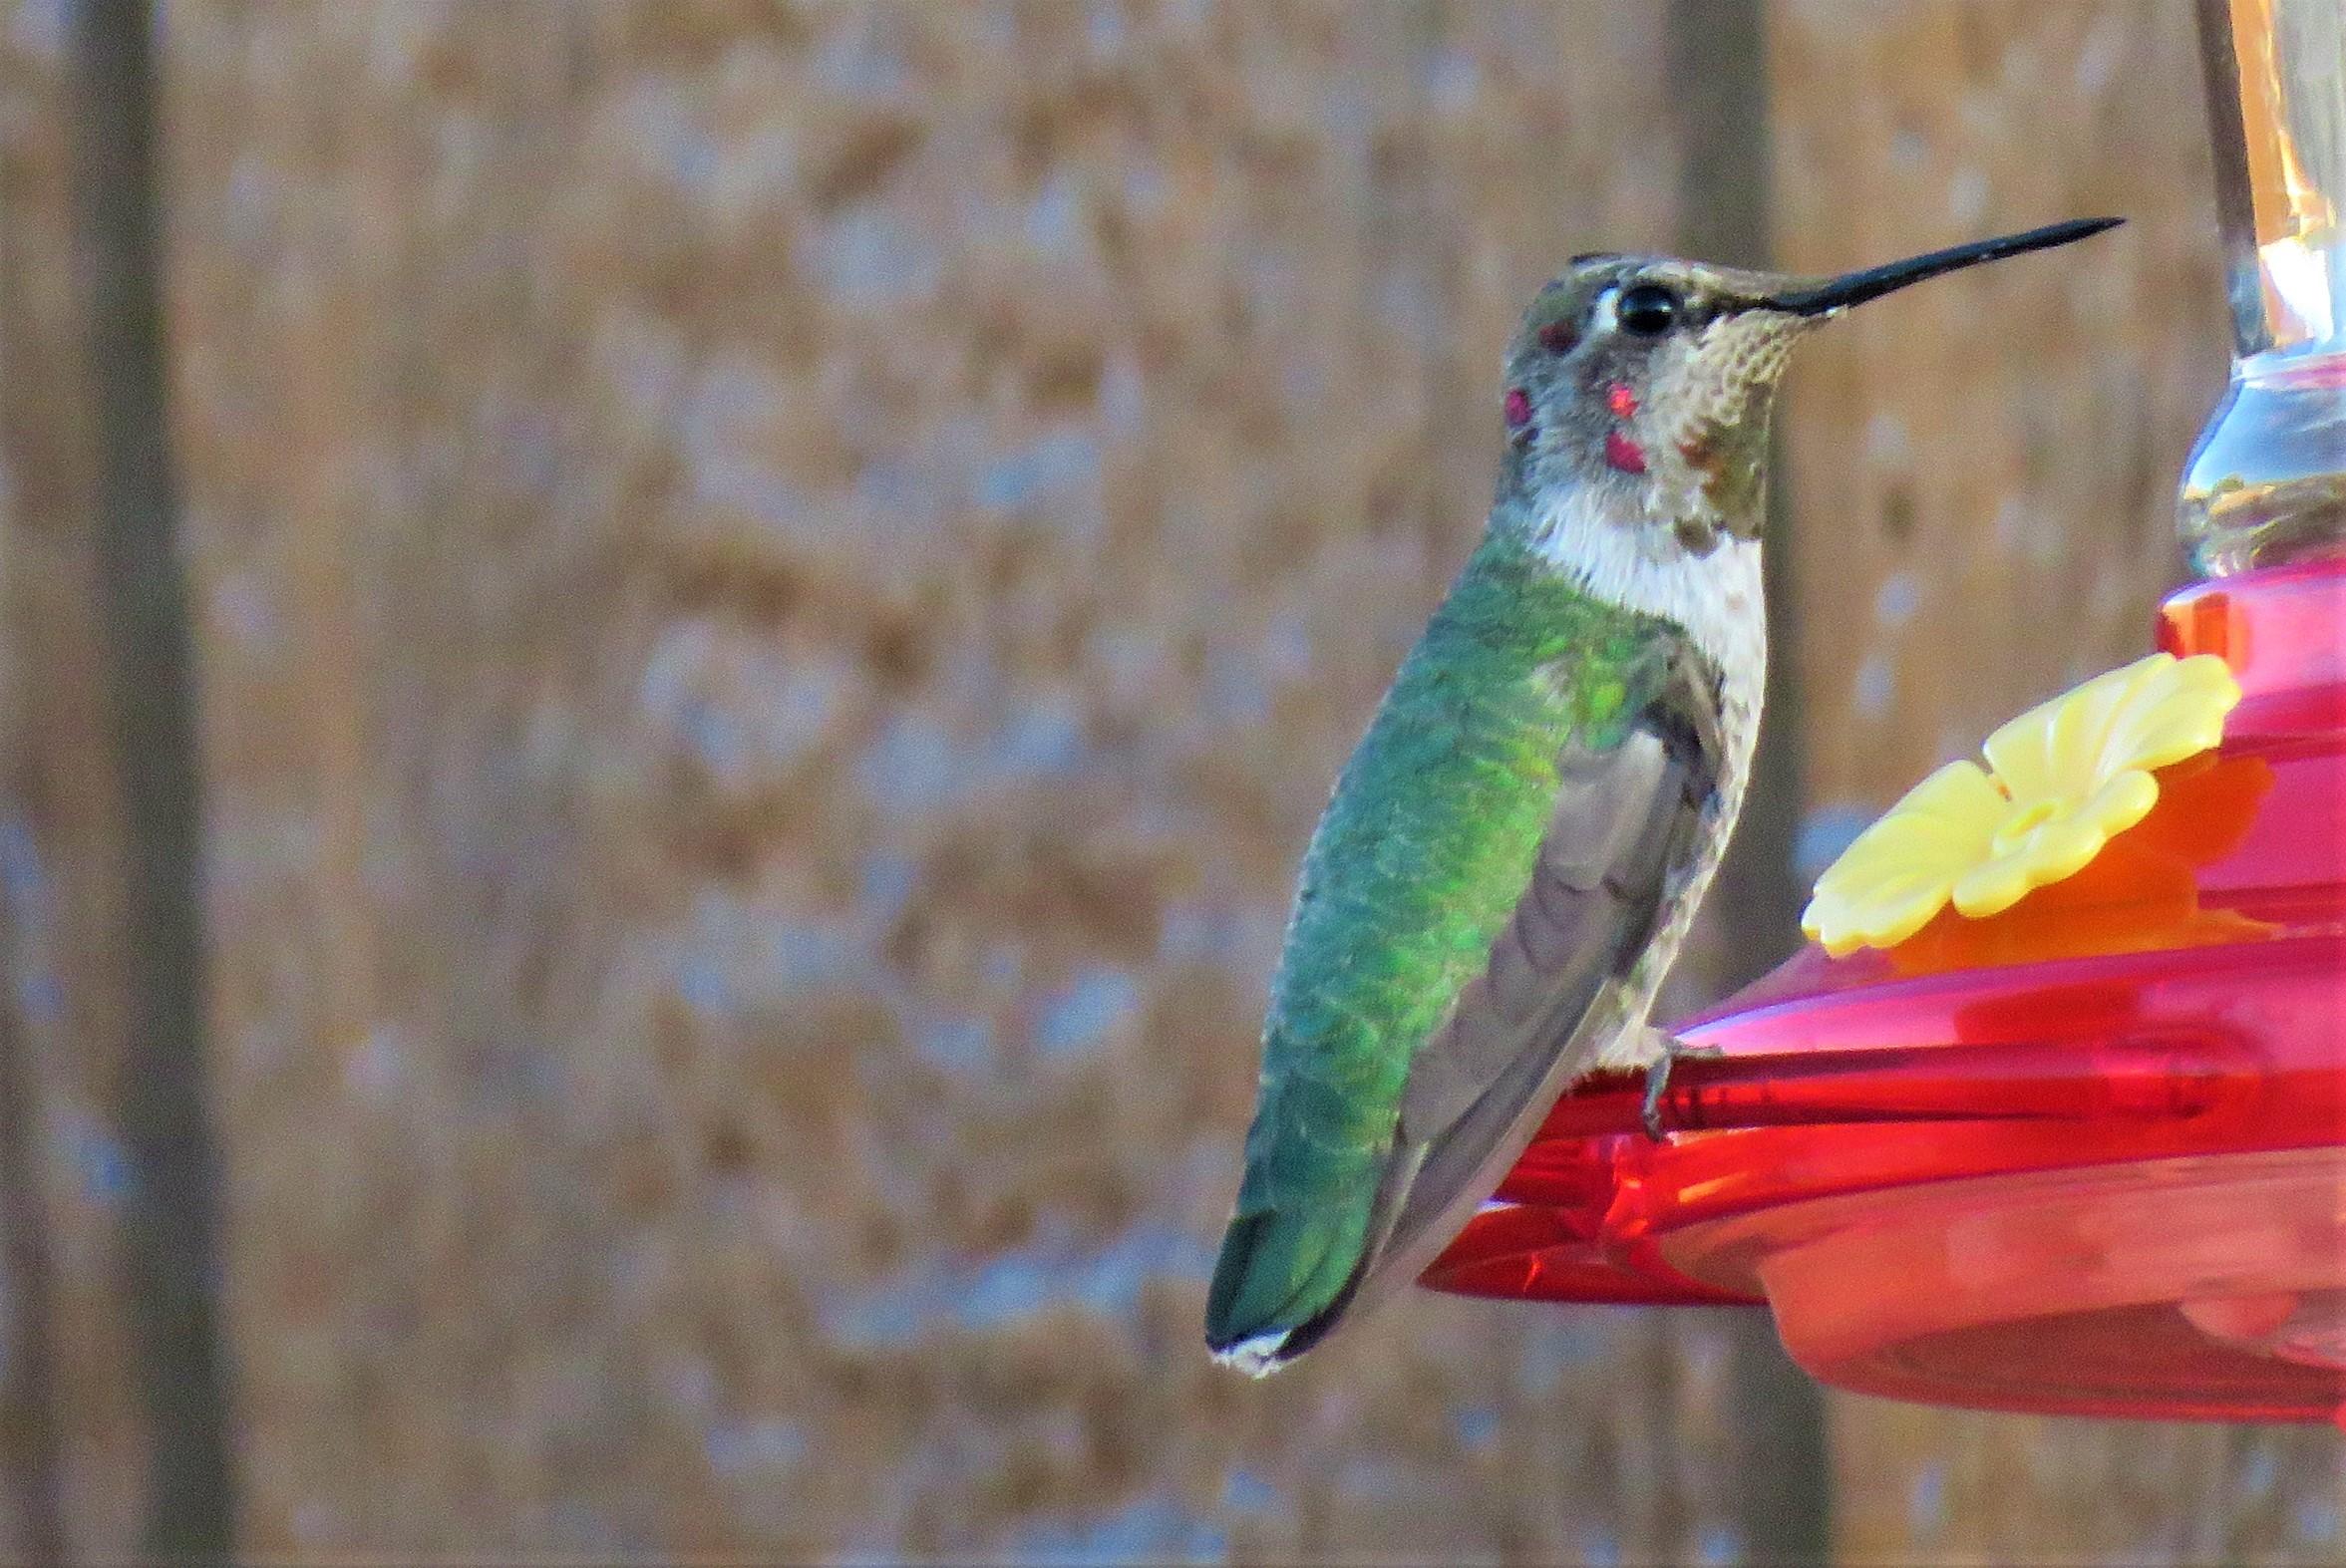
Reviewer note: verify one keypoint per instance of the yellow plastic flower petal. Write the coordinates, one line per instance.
(1899, 873)
(2155, 711)
(2060, 846)
(2067, 776)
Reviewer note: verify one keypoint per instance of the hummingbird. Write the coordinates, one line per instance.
(1515, 852)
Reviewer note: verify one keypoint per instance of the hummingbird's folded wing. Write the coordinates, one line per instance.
(1626, 838)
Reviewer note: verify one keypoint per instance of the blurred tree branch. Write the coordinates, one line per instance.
(1718, 83)
(28, 1390)
(171, 1245)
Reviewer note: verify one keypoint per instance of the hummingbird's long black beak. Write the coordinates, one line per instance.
(1855, 288)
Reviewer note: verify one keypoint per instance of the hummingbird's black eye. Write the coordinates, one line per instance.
(1648, 310)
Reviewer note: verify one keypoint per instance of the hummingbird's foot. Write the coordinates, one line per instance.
(1657, 1081)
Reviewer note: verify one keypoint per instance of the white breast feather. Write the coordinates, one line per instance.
(1716, 597)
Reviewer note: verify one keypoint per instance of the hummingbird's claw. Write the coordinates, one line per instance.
(1657, 1083)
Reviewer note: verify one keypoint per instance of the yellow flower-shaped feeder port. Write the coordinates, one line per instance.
(2062, 779)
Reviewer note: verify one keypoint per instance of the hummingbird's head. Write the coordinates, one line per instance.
(1653, 377)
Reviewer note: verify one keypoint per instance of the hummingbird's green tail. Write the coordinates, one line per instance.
(1281, 1281)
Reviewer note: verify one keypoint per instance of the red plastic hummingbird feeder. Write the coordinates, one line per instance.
(2086, 1156)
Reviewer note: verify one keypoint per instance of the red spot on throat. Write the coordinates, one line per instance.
(1518, 408)
(1623, 453)
(1621, 400)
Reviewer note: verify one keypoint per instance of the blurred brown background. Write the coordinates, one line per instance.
(771, 594)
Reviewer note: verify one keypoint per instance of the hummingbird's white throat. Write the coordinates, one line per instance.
(1716, 595)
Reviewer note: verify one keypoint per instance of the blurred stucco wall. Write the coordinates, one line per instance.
(777, 591)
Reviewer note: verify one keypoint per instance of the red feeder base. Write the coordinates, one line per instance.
(2088, 1156)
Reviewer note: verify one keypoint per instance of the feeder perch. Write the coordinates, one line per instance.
(2087, 1155)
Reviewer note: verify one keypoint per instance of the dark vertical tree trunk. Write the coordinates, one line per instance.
(1718, 84)
(172, 1231)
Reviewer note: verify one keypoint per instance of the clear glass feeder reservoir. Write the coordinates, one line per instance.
(2267, 482)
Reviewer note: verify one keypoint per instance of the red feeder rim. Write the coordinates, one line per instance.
(2088, 1156)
